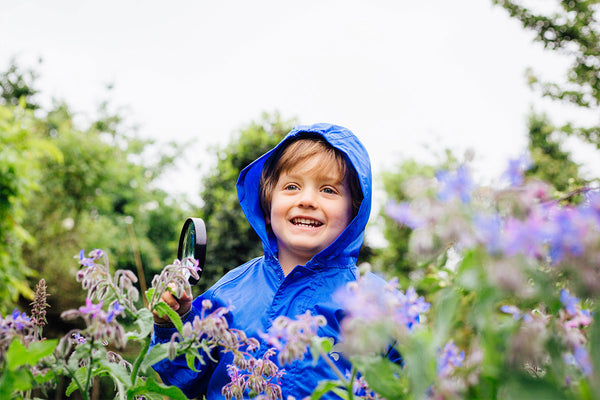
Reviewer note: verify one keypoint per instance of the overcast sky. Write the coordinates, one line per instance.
(403, 75)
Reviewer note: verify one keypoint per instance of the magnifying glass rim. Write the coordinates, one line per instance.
(199, 243)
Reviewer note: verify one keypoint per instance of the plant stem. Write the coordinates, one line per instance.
(89, 371)
(138, 361)
(334, 367)
(71, 374)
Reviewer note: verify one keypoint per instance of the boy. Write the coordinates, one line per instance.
(309, 200)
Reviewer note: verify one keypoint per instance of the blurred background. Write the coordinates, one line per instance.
(119, 119)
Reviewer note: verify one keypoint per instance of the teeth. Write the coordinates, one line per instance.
(306, 221)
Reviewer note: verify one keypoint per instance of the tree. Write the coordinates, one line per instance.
(16, 86)
(572, 29)
(551, 163)
(101, 193)
(231, 239)
(21, 148)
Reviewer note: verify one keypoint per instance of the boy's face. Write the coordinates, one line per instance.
(310, 207)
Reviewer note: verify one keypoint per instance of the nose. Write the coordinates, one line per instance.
(307, 199)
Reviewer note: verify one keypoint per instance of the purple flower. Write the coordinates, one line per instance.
(571, 303)
(525, 237)
(78, 338)
(448, 359)
(368, 301)
(514, 311)
(115, 310)
(488, 229)
(591, 207)
(91, 308)
(516, 168)
(457, 184)
(568, 230)
(86, 262)
(582, 359)
(402, 213)
(20, 320)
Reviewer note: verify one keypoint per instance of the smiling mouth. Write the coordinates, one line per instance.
(306, 222)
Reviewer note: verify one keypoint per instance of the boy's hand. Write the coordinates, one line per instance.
(181, 306)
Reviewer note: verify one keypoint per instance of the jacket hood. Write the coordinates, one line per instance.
(344, 250)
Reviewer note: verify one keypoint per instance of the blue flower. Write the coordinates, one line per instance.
(571, 303)
(86, 262)
(115, 310)
(402, 213)
(20, 319)
(449, 359)
(457, 184)
(489, 229)
(78, 338)
(516, 168)
(514, 311)
(582, 359)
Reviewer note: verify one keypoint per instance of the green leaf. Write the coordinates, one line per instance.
(11, 381)
(151, 386)
(163, 309)
(594, 341)
(81, 375)
(533, 389)
(419, 353)
(382, 375)
(116, 371)
(145, 325)
(157, 353)
(446, 304)
(150, 294)
(19, 355)
(325, 387)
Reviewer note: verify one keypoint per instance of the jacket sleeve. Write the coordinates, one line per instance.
(176, 372)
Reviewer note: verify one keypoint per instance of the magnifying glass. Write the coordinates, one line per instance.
(192, 244)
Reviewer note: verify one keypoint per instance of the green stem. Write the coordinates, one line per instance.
(138, 361)
(72, 375)
(334, 367)
(88, 379)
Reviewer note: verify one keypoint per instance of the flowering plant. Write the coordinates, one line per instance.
(514, 279)
(511, 277)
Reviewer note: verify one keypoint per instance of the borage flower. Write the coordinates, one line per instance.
(20, 320)
(91, 308)
(115, 310)
(516, 168)
(456, 184)
(448, 359)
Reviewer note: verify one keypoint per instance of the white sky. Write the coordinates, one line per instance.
(403, 75)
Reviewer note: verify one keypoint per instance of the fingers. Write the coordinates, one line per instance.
(181, 306)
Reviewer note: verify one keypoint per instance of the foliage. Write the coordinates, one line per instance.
(21, 148)
(16, 87)
(550, 162)
(511, 311)
(231, 239)
(505, 262)
(67, 187)
(394, 258)
(571, 29)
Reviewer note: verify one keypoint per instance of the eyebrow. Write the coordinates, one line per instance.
(333, 178)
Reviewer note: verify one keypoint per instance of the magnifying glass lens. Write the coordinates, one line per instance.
(189, 244)
(192, 245)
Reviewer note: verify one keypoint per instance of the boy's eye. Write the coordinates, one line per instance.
(329, 190)
(290, 187)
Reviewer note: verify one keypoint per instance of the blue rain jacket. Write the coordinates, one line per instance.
(259, 292)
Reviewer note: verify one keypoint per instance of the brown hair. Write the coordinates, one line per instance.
(298, 151)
